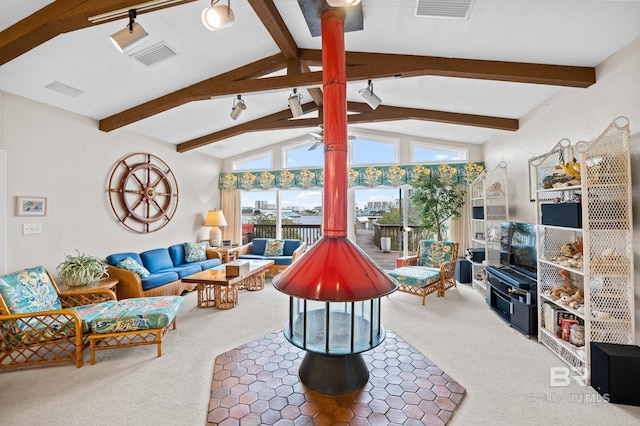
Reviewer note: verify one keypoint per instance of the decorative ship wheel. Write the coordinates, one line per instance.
(143, 192)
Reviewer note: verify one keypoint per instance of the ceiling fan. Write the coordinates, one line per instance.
(318, 138)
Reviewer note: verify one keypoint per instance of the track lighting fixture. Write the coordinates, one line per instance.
(130, 37)
(217, 17)
(342, 3)
(238, 108)
(294, 103)
(369, 97)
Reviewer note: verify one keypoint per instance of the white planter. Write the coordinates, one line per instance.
(385, 244)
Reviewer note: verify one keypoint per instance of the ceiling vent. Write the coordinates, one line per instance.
(154, 54)
(64, 89)
(457, 9)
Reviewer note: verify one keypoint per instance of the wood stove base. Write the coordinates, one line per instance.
(258, 384)
(333, 374)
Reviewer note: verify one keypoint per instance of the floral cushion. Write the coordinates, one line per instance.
(143, 313)
(194, 252)
(130, 264)
(29, 290)
(416, 276)
(434, 253)
(274, 248)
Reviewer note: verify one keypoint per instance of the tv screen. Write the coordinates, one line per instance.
(518, 247)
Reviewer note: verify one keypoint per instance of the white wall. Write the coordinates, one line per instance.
(64, 157)
(577, 114)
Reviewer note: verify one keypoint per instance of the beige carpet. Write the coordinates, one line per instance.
(505, 374)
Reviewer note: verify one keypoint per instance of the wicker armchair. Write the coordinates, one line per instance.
(41, 325)
(432, 270)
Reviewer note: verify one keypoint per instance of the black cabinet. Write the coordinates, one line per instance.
(512, 295)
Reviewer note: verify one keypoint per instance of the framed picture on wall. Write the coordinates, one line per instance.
(31, 206)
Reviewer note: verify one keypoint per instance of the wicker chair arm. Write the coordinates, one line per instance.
(410, 261)
(298, 252)
(213, 254)
(129, 283)
(448, 269)
(39, 326)
(245, 249)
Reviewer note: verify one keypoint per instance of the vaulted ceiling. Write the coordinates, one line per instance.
(447, 79)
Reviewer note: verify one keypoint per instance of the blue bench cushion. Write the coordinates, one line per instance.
(143, 313)
(416, 276)
(258, 245)
(290, 246)
(158, 279)
(208, 264)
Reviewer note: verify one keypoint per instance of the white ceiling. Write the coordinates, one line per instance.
(563, 32)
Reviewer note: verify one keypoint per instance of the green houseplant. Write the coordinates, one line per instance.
(436, 199)
(81, 269)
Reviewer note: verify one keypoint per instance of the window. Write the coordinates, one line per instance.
(257, 162)
(364, 152)
(427, 153)
(299, 155)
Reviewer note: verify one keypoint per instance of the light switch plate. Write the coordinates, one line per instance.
(31, 228)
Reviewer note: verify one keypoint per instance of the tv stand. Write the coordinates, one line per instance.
(512, 295)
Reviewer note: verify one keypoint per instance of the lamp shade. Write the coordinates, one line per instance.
(125, 40)
(215, 218)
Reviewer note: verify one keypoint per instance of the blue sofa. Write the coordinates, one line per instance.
(255, 250)
(165, 266)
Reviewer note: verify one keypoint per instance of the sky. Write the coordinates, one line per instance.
(313, 198)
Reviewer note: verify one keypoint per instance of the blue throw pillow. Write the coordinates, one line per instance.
(194, 252)
(131, 265)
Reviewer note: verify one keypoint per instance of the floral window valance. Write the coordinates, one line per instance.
(359, 177)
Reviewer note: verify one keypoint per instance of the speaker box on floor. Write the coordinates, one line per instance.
(615, 372)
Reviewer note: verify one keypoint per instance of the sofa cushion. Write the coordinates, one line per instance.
(194, 252)
(144, 313)
(159, 278)
(177, 254)
(279, 260)
(156, 260)
(29, 290)
(185, 270)
(274, 248)
(251, 257)
(208, 264)
(113, 259)
(89, 312)
(130, 264)
(416, 276)
(258, 245)
(290, 246)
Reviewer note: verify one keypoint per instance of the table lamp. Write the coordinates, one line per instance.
(215, 219)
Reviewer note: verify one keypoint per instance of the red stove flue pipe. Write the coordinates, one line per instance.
(335, 123)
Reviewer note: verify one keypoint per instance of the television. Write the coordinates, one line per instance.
(518, 247)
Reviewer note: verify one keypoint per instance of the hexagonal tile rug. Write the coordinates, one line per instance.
(258, 384)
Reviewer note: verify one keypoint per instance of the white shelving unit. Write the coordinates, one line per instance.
(489, 207)
(603, 224)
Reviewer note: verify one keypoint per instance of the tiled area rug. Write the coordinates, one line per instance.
(258, 384)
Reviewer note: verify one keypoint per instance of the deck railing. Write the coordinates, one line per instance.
(307, 233)
(312, 233)
(395, 233)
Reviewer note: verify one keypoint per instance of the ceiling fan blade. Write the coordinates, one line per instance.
(315, 145)
(317, 135)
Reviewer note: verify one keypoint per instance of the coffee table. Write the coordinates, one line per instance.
(216, 289)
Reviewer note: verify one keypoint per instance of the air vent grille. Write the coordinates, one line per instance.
(64, 89)
(458, 9)
(154, 54)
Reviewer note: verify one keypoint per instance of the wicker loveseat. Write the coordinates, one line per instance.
(432, 270)
(282, 252)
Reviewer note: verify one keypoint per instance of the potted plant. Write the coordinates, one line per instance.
(81, 269)
(436, 199)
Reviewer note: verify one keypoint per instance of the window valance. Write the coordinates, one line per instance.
(359, 177)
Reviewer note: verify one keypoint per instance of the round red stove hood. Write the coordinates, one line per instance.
(335, 270)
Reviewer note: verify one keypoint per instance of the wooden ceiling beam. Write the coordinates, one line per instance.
(401, 113)
(262, 123)
(196, 92)
(58, 17)
(273, 22)
(518, 72)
